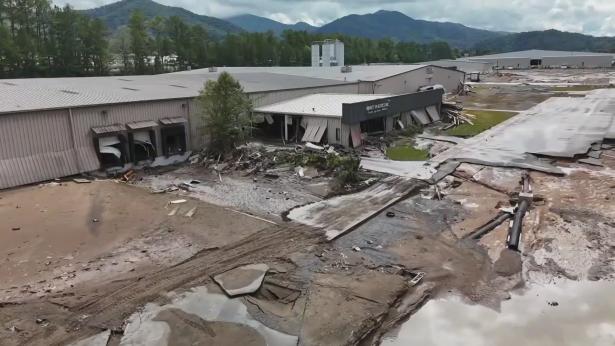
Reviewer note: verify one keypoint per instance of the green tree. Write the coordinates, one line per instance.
(139, 41)
(225, 110)
(160, 43)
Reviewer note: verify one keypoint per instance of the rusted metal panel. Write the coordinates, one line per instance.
(173, 121)
(109, 129)
(142, 125)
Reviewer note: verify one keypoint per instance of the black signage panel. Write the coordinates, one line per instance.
(353, 113)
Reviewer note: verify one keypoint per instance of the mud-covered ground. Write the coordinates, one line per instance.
(115, 263)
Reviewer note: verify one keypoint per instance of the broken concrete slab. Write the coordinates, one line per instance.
(242, 280)
(592, 162)
(100, 339)
(449, 139)
(558, 127)
(162, 324)
(341, 214)
(422, 170)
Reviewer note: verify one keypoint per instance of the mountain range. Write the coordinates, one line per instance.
(252, 23)
(117, 15)
(382, 24)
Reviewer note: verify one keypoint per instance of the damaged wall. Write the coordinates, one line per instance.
(43, 145)
(34, 147)
(197, 126)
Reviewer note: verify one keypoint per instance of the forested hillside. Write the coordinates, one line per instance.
(546, 40)
(117, 15)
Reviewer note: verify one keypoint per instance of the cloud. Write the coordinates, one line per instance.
(594, 17)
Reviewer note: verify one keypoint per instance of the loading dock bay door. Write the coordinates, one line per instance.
(173, 139)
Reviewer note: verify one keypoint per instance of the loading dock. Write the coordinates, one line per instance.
(111, 145)
(142, 141)
(173, 136)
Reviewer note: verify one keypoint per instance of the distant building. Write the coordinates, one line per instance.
(546, 59)
(328, 53)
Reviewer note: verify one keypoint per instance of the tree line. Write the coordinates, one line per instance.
(41, 40)
(37, 39)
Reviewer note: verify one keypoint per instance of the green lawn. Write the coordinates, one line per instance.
(483, 120)
(406, 153)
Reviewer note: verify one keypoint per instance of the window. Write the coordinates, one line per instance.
(338, 134)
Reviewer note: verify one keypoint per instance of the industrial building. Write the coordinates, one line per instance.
(57, 127)
(546, 59)
(345, 118)
(328, 53)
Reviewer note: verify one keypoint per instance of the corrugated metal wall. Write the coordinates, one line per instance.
(411, 81)
(578, 61)
(38, 146)
(35, 147)
(86, 118)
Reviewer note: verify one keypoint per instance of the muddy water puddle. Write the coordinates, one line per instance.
(568, 313)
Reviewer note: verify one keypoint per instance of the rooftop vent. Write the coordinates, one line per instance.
(126, 80)
(131, 89)
(70, 92)
(346, 69)
(178, 86)
(213, 69)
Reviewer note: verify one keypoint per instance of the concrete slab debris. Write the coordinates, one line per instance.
(450, 139)
(242, 280)
(99, 339)
(155, 324)
(341, 214)
(421, 170)
(558, 127)
(592, 161)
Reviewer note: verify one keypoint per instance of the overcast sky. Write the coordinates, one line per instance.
(594, 17)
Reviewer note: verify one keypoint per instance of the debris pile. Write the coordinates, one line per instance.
(307, 161)
(452, 113)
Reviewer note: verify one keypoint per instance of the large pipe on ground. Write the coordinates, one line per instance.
(525, 200)
(490, 226)
(514, 234)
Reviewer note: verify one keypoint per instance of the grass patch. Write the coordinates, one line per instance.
(483, 120)
(577, 88)
(406, 153)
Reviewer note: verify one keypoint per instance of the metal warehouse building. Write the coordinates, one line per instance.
(57, 127)
(344, 118)
(546, 59)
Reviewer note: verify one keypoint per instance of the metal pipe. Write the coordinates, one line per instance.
(490, 226)
(514, 234)
(525, 200)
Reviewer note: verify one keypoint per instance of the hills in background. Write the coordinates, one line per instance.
(117, 15)
(252, 23)
(382, 24)
(547, 40)
(398, 26)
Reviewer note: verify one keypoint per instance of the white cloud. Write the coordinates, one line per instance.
(594, 17)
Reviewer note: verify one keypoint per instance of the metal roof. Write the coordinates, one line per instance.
(19, 95)
(327, 105)
(369, 73)
(537, 54)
